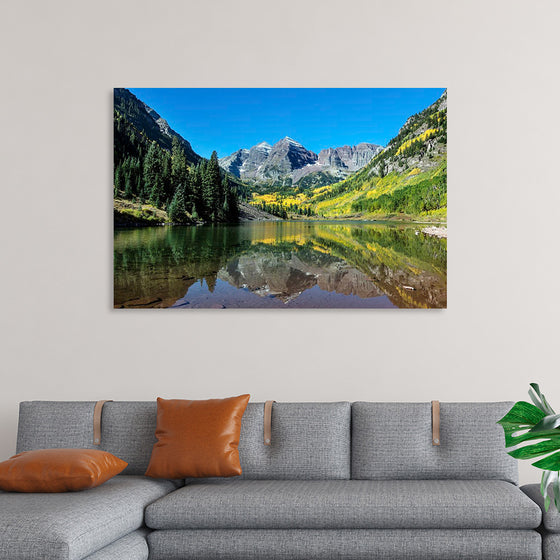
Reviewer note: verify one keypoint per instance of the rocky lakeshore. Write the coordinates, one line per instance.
(440, 232)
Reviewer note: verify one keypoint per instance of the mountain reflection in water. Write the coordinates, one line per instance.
(280, 264)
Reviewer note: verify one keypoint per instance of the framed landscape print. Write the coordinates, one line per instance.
(280, 198)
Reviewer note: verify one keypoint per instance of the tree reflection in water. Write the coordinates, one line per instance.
(278, 262)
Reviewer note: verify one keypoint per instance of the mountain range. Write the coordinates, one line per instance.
(408, 177)
(288, 162)
(283, 164)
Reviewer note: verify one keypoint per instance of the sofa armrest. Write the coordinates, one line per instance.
(551, 518)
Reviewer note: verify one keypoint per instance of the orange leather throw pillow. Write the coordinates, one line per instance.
(58, 470)
(197, 438)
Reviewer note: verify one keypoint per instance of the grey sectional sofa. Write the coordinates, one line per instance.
(340, 481)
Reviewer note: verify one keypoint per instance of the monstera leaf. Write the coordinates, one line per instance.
(534, 431)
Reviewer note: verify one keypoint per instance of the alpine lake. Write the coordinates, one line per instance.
(280, 264)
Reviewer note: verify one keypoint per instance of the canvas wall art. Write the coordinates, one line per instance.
(280, 198)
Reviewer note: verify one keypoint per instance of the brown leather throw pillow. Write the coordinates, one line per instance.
(58, 470)
(197, 438)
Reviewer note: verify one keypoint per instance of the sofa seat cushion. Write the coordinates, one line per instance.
(133, 546)
(345, 504)
(551, 518)
(73, 525)
(551, 546)
(346, 544)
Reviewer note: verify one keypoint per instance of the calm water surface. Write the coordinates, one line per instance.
(280, 264)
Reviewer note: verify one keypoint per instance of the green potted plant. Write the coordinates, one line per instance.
(534, 431)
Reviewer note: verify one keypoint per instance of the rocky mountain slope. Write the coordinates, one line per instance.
(409, 176)
(422, 137)
(288, 162)
(147, 121)
(248, 213)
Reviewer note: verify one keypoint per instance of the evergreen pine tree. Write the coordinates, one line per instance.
(177, 209)
(194, 213)
(180, 171)
(207, 193)
(231, 202)
(188, 196)
(225, 208)
(139, 187)
(213, 187)
(168, 188)
(128, 188)
(197, 189)
(178, 163)
(224, 200)
(119, 180)
(153, 175)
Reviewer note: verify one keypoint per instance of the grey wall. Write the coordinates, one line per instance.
(60, 338)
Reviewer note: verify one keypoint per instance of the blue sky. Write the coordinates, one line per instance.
(226, 120)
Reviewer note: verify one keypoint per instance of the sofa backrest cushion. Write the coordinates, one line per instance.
(127, 428)
(394, 441)
(309, 440)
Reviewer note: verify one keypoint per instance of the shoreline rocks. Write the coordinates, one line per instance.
(440, 232)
